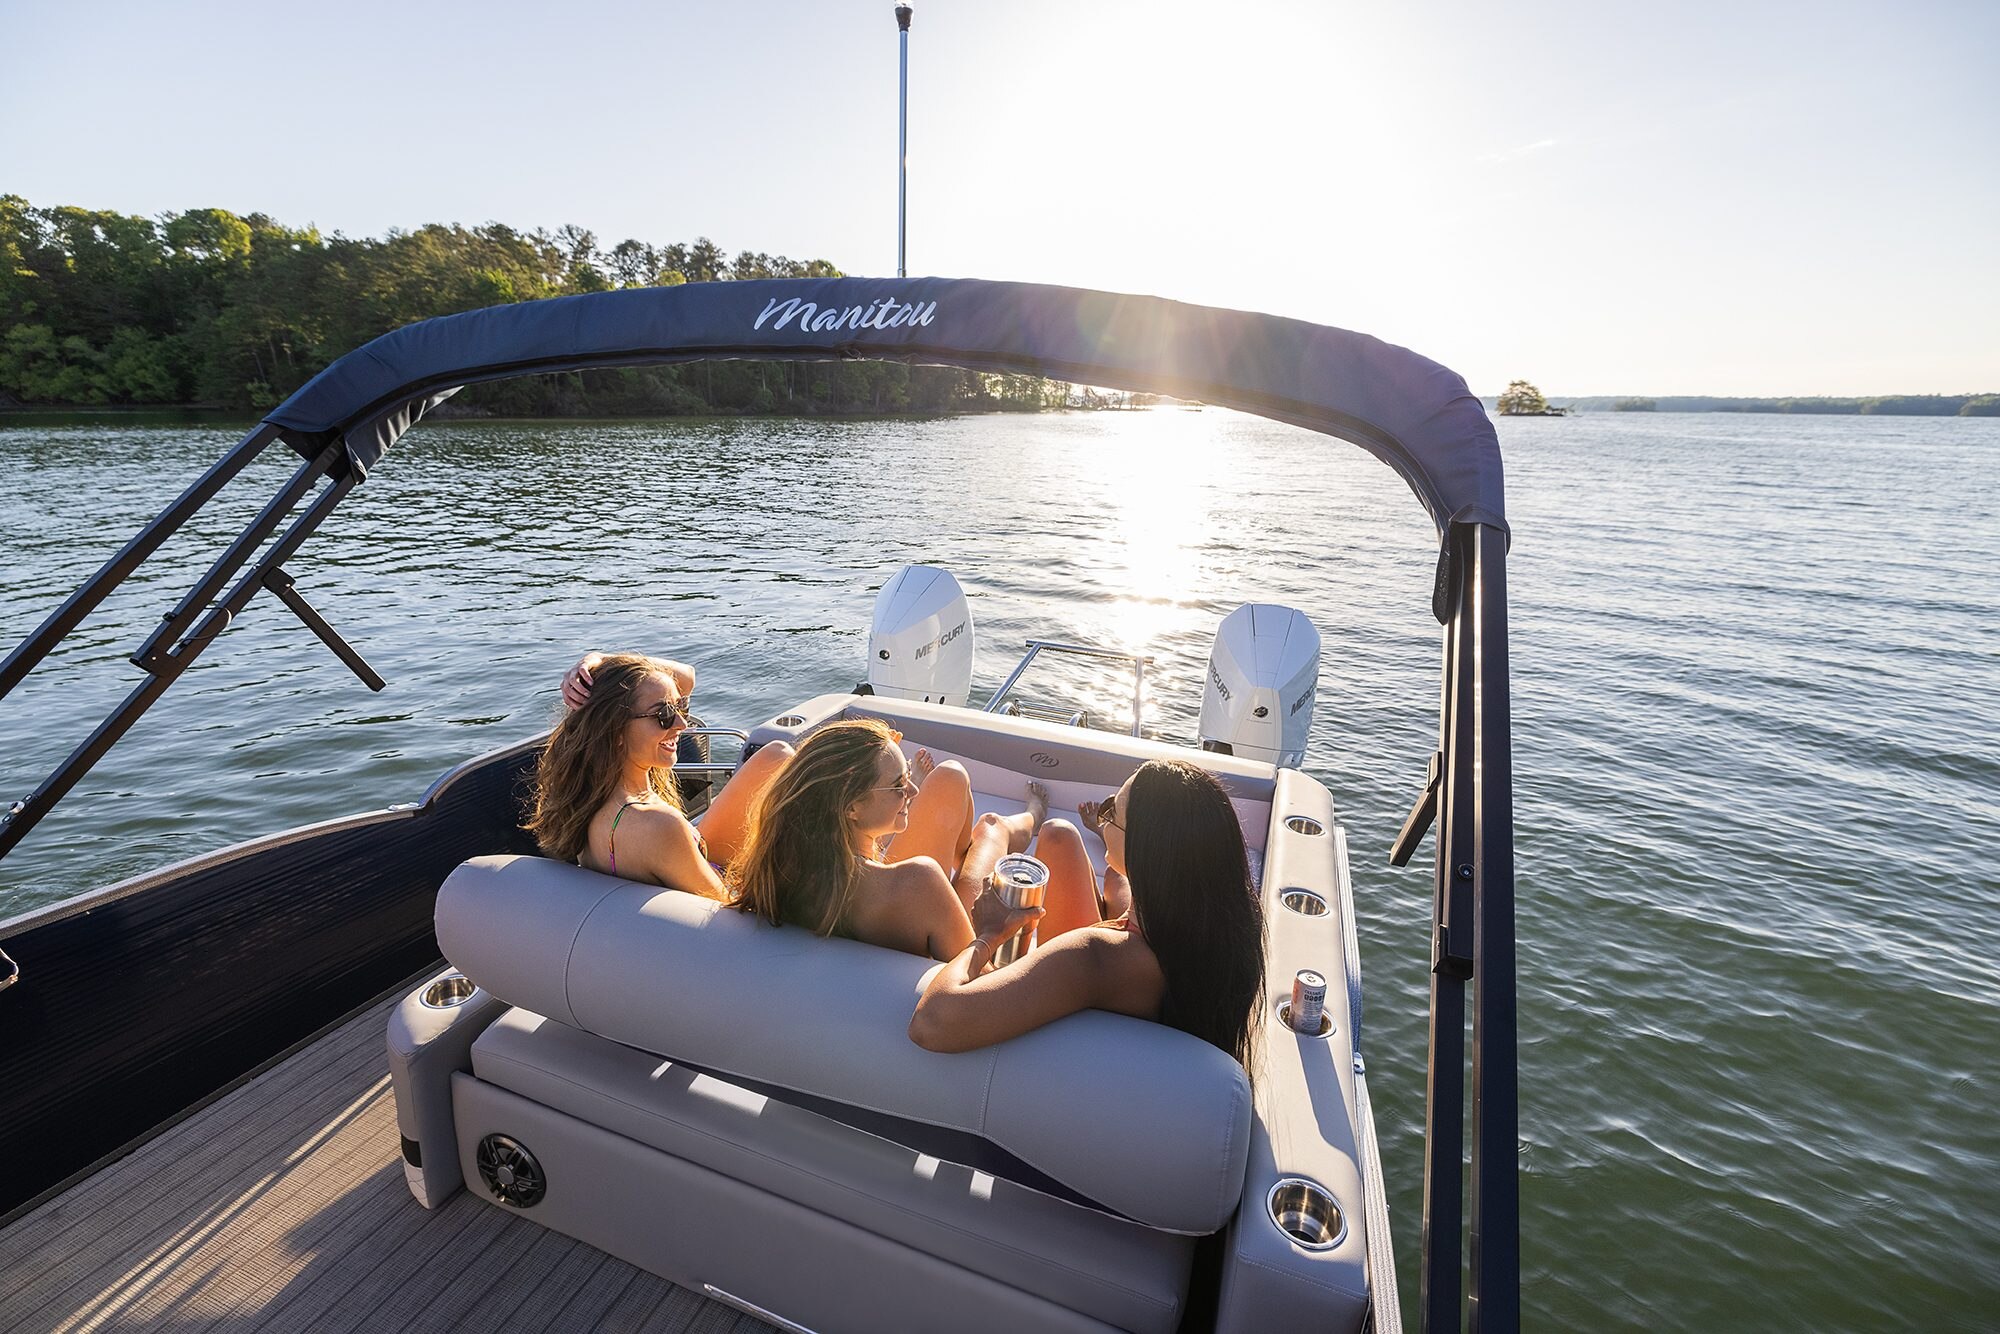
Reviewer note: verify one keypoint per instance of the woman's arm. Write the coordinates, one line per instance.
(1095, 968)
(576, 681)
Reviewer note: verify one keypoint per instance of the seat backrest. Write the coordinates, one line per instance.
(1144, 1119)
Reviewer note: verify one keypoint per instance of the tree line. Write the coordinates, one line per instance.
(1886, 405)
(214, 309)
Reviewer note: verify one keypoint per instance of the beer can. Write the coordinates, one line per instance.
(1308, 1001)
(1021, 881)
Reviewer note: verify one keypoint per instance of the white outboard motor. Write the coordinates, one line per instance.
(1262, 676)
(920, 646)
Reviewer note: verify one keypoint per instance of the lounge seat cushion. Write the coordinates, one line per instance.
(1126, 1275)
(1149, 1122)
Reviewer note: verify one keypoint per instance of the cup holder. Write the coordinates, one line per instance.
(1308, 1215)
(1301, 824)
(790, 720)
(1285, 1018)
(1304, 902)
(448, 991)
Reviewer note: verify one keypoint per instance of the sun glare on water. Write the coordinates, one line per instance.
(1155, 466)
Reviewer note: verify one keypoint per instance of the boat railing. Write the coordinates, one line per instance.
(1001, 703)
(708, 767)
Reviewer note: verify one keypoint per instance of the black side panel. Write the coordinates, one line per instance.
(135, 1006)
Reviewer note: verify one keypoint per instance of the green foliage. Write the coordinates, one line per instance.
(1985, 405)
(1522, 399)
(240, 311)
(1635, 405)
(1900, 405)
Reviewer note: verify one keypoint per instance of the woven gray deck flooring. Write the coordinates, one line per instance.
(282, 1207)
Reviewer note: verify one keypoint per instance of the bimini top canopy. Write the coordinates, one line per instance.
(1410, 412)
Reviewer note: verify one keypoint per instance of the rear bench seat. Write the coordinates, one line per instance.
(645, 1065)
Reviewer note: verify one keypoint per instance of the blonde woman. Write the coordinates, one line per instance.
(604, 793)
(815, 855)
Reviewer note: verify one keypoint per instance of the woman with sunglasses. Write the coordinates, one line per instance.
(1185, 946)
(604, 793)
(816, 851)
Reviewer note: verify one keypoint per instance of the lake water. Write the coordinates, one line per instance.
(1757, 748)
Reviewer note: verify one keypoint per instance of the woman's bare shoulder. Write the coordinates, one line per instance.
(903, 883)
(660, 821)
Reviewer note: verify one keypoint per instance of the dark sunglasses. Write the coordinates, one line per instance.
(667, 714)
(1106, 809)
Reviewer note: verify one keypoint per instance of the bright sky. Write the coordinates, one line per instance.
(1702, 197)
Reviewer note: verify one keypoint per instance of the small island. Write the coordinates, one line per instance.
(1524, 400)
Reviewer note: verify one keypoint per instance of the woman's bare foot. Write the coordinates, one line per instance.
(1038, 805)
(922, 764)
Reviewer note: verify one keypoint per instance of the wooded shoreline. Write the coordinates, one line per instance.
(209, 310)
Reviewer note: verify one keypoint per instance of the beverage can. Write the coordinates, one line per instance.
(1308, 1001)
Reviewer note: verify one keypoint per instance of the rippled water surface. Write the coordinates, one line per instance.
(1757, 748)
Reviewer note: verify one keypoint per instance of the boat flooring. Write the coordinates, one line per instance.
(281, 1206)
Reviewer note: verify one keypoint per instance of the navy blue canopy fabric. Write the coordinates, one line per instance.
(1410, 412)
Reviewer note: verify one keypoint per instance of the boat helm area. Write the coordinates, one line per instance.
(682, 1089)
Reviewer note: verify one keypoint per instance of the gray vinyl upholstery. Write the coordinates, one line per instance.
(721, 1237)
(670, 973)
(1125, 1275)
(427, 1045)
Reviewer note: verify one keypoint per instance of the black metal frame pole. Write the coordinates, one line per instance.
(156, 650)
(1496, 1209)
(1441, 1277)
(113, 572)
(168, 667)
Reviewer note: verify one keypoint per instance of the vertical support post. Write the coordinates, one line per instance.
(1440, 1290)
(1496, 1210)
(902, 137)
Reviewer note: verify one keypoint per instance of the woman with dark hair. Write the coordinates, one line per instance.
(815, 853)
(604, 793)
(1186, 946)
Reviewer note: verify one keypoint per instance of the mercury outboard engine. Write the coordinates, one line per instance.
(920, 646)
(1262, 676)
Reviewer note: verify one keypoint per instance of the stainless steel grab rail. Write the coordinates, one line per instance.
(707, 768)
(1138, 662)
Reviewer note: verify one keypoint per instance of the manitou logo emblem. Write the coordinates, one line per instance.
(888, 313)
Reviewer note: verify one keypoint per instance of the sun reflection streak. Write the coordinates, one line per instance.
(1160, 465)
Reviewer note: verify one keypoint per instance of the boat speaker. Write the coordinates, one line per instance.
(510, 1172)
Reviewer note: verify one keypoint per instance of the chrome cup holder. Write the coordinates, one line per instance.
(1308, 1215)
(1304, 824)
(1285, 1017)
(1304, 902)
(790, 720)
(450, 990)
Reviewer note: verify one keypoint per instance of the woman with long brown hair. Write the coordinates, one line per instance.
(604, 794)
(1186, 946)
(816, 855)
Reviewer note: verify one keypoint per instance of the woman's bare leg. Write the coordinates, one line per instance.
(726, 824)
(940, 819)
(1072, 893)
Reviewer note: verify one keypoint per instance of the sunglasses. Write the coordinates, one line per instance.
(667, 714)
(905, 785)
(1107, 809)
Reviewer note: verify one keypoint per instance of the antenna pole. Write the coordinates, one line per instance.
(903, 140)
